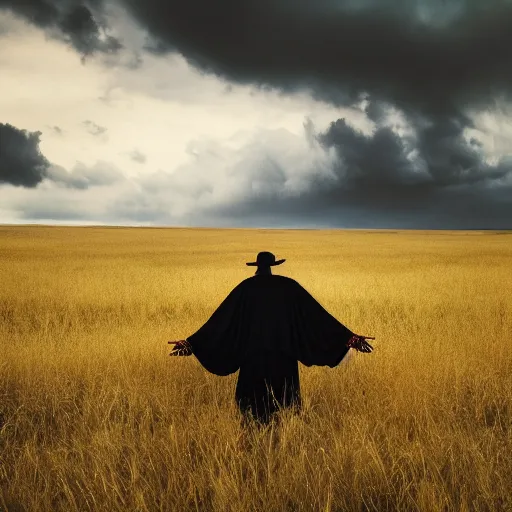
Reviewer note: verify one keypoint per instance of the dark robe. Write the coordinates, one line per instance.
(264, 327)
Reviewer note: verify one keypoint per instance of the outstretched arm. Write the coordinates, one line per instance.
(360, 344)
(181, 348)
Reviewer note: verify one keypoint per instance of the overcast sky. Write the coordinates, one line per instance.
(333, 113)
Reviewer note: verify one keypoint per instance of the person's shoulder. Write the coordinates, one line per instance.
(275, 279)
(288, 281)
(292, 286)
(246, 283)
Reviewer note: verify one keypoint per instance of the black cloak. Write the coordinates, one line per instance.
(264, 327)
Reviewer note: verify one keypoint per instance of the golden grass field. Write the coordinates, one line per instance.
(94, 415)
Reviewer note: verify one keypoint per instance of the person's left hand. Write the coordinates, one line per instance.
(181, 348)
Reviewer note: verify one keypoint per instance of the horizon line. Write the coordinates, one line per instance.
(227, 228)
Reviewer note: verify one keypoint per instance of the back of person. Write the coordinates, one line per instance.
(264, 327)
(269, 303)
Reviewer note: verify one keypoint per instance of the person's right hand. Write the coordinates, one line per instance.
(360, 344)
(181, 348)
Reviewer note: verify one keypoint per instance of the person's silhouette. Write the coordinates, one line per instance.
(264, 327)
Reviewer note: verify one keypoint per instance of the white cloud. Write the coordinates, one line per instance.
(269, 162)
(264, 162)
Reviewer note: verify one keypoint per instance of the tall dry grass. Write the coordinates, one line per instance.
(95, 416)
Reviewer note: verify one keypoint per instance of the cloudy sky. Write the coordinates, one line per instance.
(333, 113)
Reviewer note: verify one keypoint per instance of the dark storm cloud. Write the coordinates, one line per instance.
(436, 56)
(93, 128)
(79, 23)
(437, 155)
(430, 55)
(434, 62)
(436, 173)
(21, 161)
(432, 178)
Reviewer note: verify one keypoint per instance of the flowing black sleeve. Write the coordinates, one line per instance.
(319, 338)
(218, 344)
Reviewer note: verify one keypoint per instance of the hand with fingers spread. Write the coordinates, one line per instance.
(181, 348)
(360, 344)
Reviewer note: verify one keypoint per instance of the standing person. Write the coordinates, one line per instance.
(264, 328)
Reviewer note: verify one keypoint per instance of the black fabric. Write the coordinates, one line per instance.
(266, 319)
(267, 382)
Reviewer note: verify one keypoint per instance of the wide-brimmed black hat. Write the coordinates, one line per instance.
(265, 259)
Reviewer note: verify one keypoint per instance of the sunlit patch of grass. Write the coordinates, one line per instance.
(95, 416)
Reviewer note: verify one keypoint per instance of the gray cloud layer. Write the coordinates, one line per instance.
(338, 49)
(434, 62)
(432, 179)
(435, 56)
(83, 177)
